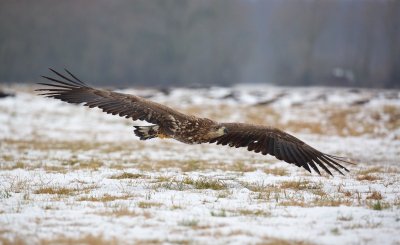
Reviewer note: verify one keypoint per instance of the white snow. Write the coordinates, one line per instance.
(47, 145)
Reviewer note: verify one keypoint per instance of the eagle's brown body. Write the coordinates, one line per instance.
(197, 130)
(189, 130)
(169, 123)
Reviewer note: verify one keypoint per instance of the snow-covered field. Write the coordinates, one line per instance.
(70, 174)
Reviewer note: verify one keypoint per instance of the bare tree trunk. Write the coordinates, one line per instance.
(318, 14)
(393, 34)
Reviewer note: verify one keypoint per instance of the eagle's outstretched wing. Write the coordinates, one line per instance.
(72, 90)
(283, 146)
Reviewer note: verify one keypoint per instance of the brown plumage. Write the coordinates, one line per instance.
(188, 129)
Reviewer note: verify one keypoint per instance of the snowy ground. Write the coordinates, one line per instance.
(69, 174)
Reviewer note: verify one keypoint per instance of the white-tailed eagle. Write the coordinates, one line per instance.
(169, 123)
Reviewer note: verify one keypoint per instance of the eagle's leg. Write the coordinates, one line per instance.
(147, 132)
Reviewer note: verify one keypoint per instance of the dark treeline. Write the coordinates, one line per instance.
(181, 42)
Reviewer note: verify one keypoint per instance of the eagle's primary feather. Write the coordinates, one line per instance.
(190, 129)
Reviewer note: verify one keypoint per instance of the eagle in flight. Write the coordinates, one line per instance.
(169, 123)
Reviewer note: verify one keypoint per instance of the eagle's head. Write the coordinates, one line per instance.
(216, 131)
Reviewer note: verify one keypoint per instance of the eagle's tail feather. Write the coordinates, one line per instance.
(146, 132)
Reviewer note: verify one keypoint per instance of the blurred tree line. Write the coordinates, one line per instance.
(203, 42)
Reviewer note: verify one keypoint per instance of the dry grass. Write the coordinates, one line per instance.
(377, 170)
(186, 183)
(55, 169)
(339, 120)
(375, 195)
(331, 202)
(299, 185)
(287, 193)
(14, 241)
(16, 164)
(163, 178)
(120, 211)
(64, 191)
(86, 239)
(218, 213)
(394, 114)
(93, 164)
(18, 185)
(57, 191)
(204, 183)
(104, 198)
(260, 115)
(189, 222)
(126, 175)
(378, 205)
(51, 145)
(195, 165)
(185, 166)
(299, 203)
(251, 212)
(343, 121)
(345, 218)
(279, 241)
(317, 202)
(356, 121)
(241, 166)
(307, 127)
(224, 193)
(74, 146)
(149, 204)
(171, 185)
(371, 170)
(259, 186)
(31, 165)
(367, 177)
(7, 158)
(277, 171)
